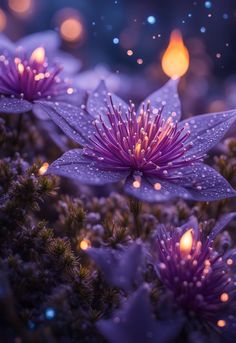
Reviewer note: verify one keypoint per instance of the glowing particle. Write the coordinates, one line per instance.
(230, 261)
(50, 313)
(70, 90)
(20, 68)
(224, 297)
(203, 29)
(218, 55)
(140, 61)
(43, 168)
(190, 15)
(157, 186)
(151, 19)
(130, 52)
(116, 40)
(20, 6)
(3, 20)
(71, 29)
(84, 244)
(225, 16)
(221, 323)
(136, 184)
(207, 4)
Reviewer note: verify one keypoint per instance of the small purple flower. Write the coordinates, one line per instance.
(159, 157)
(31, 73)
(200, 280)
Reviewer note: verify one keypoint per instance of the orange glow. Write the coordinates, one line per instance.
(157, 186)
(85, 244)
(3, 20)
(20, 6)
(186, 242)
(175, 61)
(43, 168)
(38, 55)
(20, 68)
(221, 323)
(71, 29)
(130, 52)
(224, 297)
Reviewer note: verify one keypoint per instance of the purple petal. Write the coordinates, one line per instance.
(6, 44)
(48, 39)
(99, 100)
(75, 165)
(147, 192)
(121, 268)
(221, 224)
(207, 130)
(70, 64)
(73, 121)
(77, 98)
(167, 98)
(52, 131)
(13, 105)
(205, 183)
(135, 323)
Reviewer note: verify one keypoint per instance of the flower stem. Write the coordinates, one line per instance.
(135, 208)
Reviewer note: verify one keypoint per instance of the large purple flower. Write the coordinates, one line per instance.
(200, 279)
(159, 156)
(31, 73)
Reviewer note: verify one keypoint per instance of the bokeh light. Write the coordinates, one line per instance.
(20, 6)
(3, 20)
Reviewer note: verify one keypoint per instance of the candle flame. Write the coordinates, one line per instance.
(38, 55)
(186, 242)
(175, 61)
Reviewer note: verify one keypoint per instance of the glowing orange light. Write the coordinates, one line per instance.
(175, 61)
(20, 6)
(71, 29)
(85, 244)
(157, 186)
(224, 297)
(20, 68)
(136, 184)
(137, 148)
(221, 323)
(3, 20)
(43, 168)
(38, 55)
(186, 242)
(130, 52)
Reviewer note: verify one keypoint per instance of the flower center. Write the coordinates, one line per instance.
(29, 78)
(143, 142)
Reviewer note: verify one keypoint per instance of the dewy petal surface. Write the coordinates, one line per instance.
(204, 183)
(73, 121)
(147, 192)
(207, 130)
(12, 105)
(74, 165)
(99, 101)
(167, 98)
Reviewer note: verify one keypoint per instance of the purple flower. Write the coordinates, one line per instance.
(135, 322)
(200, 280)
(158, 156)
(31, 73)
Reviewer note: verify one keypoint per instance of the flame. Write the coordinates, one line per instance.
(175, 61)
(186, 242)
(38, 55)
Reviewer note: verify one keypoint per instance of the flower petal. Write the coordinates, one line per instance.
(221, 224)
(204, 183)
(48, 39)
(73, 121)
(6, 44)
(99, 100)
(75, 165)
(120, 267)
(147, 192)
(167, 98)
(207, 130)
(13, 105)
(135, 322)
